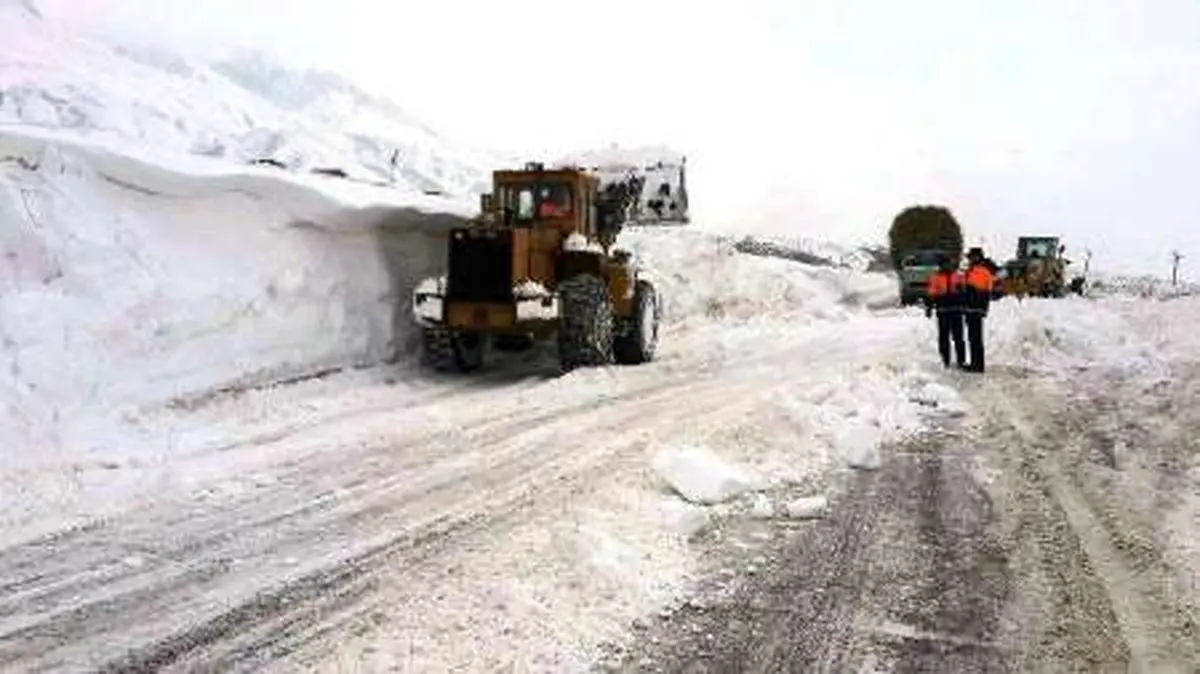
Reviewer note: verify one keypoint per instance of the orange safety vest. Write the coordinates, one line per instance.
(942, 283)
(980, 278)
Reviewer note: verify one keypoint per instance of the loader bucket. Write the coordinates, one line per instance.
(655, 179)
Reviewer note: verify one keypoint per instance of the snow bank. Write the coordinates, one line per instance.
(819, 253)
(1170, 328)
(1146, 287)
(705, 278)
(1057, 335)
(127, 285)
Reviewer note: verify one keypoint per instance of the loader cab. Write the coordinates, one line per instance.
(538, 198)
(1034, 247)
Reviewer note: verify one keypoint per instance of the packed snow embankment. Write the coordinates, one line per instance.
(127, 285)
(706, 278)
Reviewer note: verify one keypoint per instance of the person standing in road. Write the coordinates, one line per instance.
(945, 296)
(980, 281)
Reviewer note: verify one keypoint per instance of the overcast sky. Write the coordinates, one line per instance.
(1073, 117)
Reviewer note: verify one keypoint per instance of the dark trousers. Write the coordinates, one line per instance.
(950, 327)
(974, 320)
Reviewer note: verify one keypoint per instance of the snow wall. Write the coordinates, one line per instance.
(124, 284)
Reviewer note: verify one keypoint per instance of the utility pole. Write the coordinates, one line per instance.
(1176, 256)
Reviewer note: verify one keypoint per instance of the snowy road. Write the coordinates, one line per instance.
(1010, 543)
(331, 540)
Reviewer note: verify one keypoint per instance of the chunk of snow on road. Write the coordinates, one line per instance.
(682, 518)
(941, 397)
(700, 476)
(858, 444)
(934, 394)
(810, 507)
(761, 507)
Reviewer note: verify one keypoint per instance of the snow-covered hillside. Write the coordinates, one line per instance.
(241, 109)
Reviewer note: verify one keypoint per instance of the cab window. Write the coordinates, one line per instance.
(554, 200)
(524, 203)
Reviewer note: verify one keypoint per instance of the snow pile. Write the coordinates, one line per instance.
(241, 109)
(843, 393)
(814, 252)
(869, 408)
(1061, 334)
(703, 277)
(126, 285)
(1146, 287)
(1170, 329)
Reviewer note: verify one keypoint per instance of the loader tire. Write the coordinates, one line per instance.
(638, 339)
(449, 351)
(585, 331)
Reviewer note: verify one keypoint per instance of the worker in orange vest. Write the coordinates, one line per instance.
(980, 282)
(944, 294)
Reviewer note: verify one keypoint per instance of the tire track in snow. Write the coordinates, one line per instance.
(903, 575)
(999, 558)
(1151, 622)
(168, 588)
